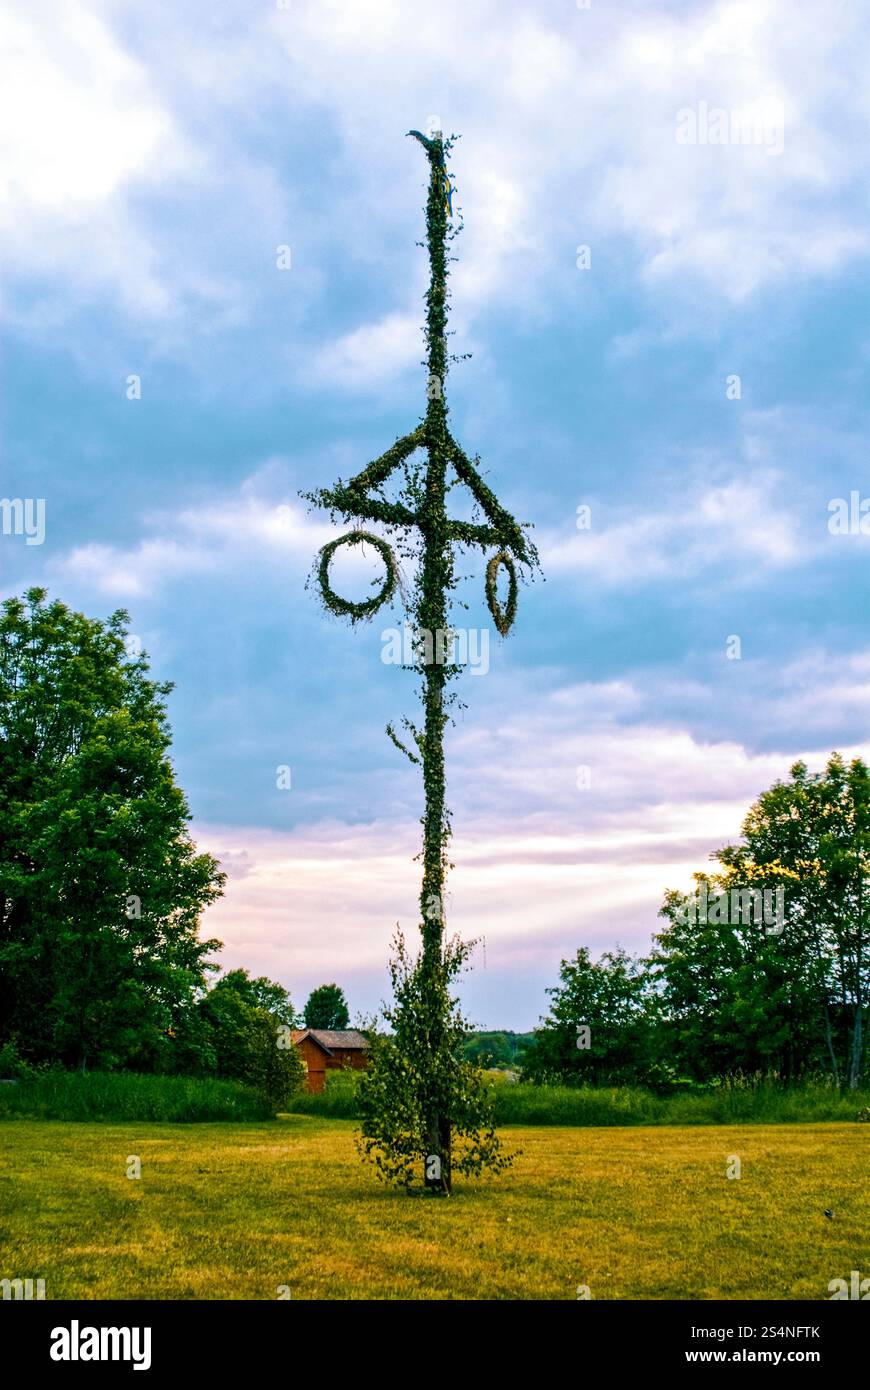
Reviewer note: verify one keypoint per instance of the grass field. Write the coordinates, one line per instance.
(234, 1211)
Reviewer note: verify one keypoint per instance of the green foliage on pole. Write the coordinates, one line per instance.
(366, 608)
(405, 1078)
(431, 464)
(502, 617)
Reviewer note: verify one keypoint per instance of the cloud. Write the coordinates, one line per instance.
(821, 686)
(372, 353)
(248, 527)
(540, 866)
(127, 573)
(571, 125)
(80, 124)
(569, 120)
(729, 524)
(740, 215)
(85, 119)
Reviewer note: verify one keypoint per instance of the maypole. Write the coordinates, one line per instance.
(420, 519)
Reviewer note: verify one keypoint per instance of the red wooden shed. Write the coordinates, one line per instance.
(330, 1049)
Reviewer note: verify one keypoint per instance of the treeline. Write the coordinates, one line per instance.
(763, 970)
(500, 1049)
(101, 887)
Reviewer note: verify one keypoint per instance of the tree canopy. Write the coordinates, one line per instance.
(326, 1008)
(101, 886)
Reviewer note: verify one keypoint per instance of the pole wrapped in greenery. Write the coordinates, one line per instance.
(432, 463)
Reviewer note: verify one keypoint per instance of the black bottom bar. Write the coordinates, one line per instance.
(266, 1338)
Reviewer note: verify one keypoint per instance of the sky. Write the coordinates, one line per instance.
(662, 281)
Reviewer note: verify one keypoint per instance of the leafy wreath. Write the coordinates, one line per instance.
(366, 608)
(502, 617)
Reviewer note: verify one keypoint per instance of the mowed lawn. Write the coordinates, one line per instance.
(235, 1211)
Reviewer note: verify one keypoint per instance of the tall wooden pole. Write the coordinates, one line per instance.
(436, 573)
(423, 509)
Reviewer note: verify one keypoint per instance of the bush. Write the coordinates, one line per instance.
(418, 1096)
(247, 1044)
(12, 1065)
(56, 1094)
(730, 1102)
(339, 1101)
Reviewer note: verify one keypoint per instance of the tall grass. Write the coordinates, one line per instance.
(758, 1103)
(337, 1102)
(738, 1102)
(63, 1095)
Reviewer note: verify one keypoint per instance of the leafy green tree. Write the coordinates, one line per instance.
(405, 1078)
(721, 991)
(326, 1008)
(611, 999)
(246, 1041)
(783, 990)
(813, 834)
(101, 887)
(262, 993)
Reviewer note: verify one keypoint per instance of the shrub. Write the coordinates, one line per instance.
(418, 1095)
(56, 1094)
(246, 1045)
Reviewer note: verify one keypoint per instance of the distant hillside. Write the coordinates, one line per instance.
(497, 1049)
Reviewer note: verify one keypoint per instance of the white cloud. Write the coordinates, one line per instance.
(372, 353)
(820, 686)
(247, 528)
(125, 573)
(80, 124)
(78, 118)
(569, 121)
(730, 524)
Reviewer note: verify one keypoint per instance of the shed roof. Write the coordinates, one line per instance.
(330, 1039)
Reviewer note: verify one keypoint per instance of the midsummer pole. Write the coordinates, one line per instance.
(420, 517)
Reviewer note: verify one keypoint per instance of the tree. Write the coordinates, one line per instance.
(721, 990)
(600, 1026)
(403, 1078)
(326, 1008)
(428, 534)
(785, 990)
(243, 1038)
(499, 1049)
(814, 830)
(262, 993)
(101, 887)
